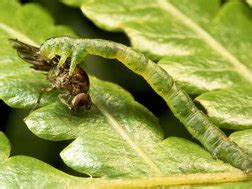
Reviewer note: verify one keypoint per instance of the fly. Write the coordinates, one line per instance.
(75, 87)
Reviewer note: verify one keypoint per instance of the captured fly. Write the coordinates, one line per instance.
(76, 86)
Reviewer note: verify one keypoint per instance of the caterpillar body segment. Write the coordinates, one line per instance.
(195, 121)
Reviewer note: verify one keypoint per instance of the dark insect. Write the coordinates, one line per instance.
(76, 86)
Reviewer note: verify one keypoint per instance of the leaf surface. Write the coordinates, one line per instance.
(16, 171)
(249, 2)
(201, 50)
(10, 63)
(243, 138)
(229, 108)
(204, 46)
(118, 137)
(4, 146)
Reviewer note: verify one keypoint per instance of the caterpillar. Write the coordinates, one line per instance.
(75, 86)
(195, 121)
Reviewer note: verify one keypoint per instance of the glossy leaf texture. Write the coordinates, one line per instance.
(16, 171)
(27, 172)
(117, 138)
(4, 146)
(243, 138)
(229, 108)
(10, 63)
(205, 46)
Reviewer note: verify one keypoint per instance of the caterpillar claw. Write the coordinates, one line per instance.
(64, 49)
(72, 65)
(51, 55)
(62, 60)
(78, 54)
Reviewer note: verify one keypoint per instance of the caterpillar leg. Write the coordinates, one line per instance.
(65, 48)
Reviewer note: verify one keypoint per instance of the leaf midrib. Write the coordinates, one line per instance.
(16, 34)
(205, 36)
(178, 180)
(118, 128)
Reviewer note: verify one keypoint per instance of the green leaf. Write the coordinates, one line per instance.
(75, 3)
(227, 64)
(29, 89)
(10, 63)
(15, 172)
(249, 2)
(110, 138)
(4, 146)
(204, 46)
(27, 172)
(148, 23)
(243, 138)
(230, 108)
(97, 140)
(117, 138)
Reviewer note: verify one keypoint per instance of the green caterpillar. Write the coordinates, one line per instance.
(195, 121)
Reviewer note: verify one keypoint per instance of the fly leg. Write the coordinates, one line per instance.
(65, 99)
(48, 89)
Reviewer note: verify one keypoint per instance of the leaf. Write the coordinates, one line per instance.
(117, 138)
(243, 138)
(231, 67)
(196, 122)
(20, 138)
(10, 64)
(75, 3)
(147, 23)
(203, 46)
(249, 2)
(109, 138)
(201, 51)
(229, 108)
(15, 172)
(5, 147)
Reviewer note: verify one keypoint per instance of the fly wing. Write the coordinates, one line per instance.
(31, 55)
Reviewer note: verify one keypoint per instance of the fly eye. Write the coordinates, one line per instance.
(80, 100)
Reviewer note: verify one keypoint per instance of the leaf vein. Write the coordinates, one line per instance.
(213, 43)
(128, 140)
(17, 34)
